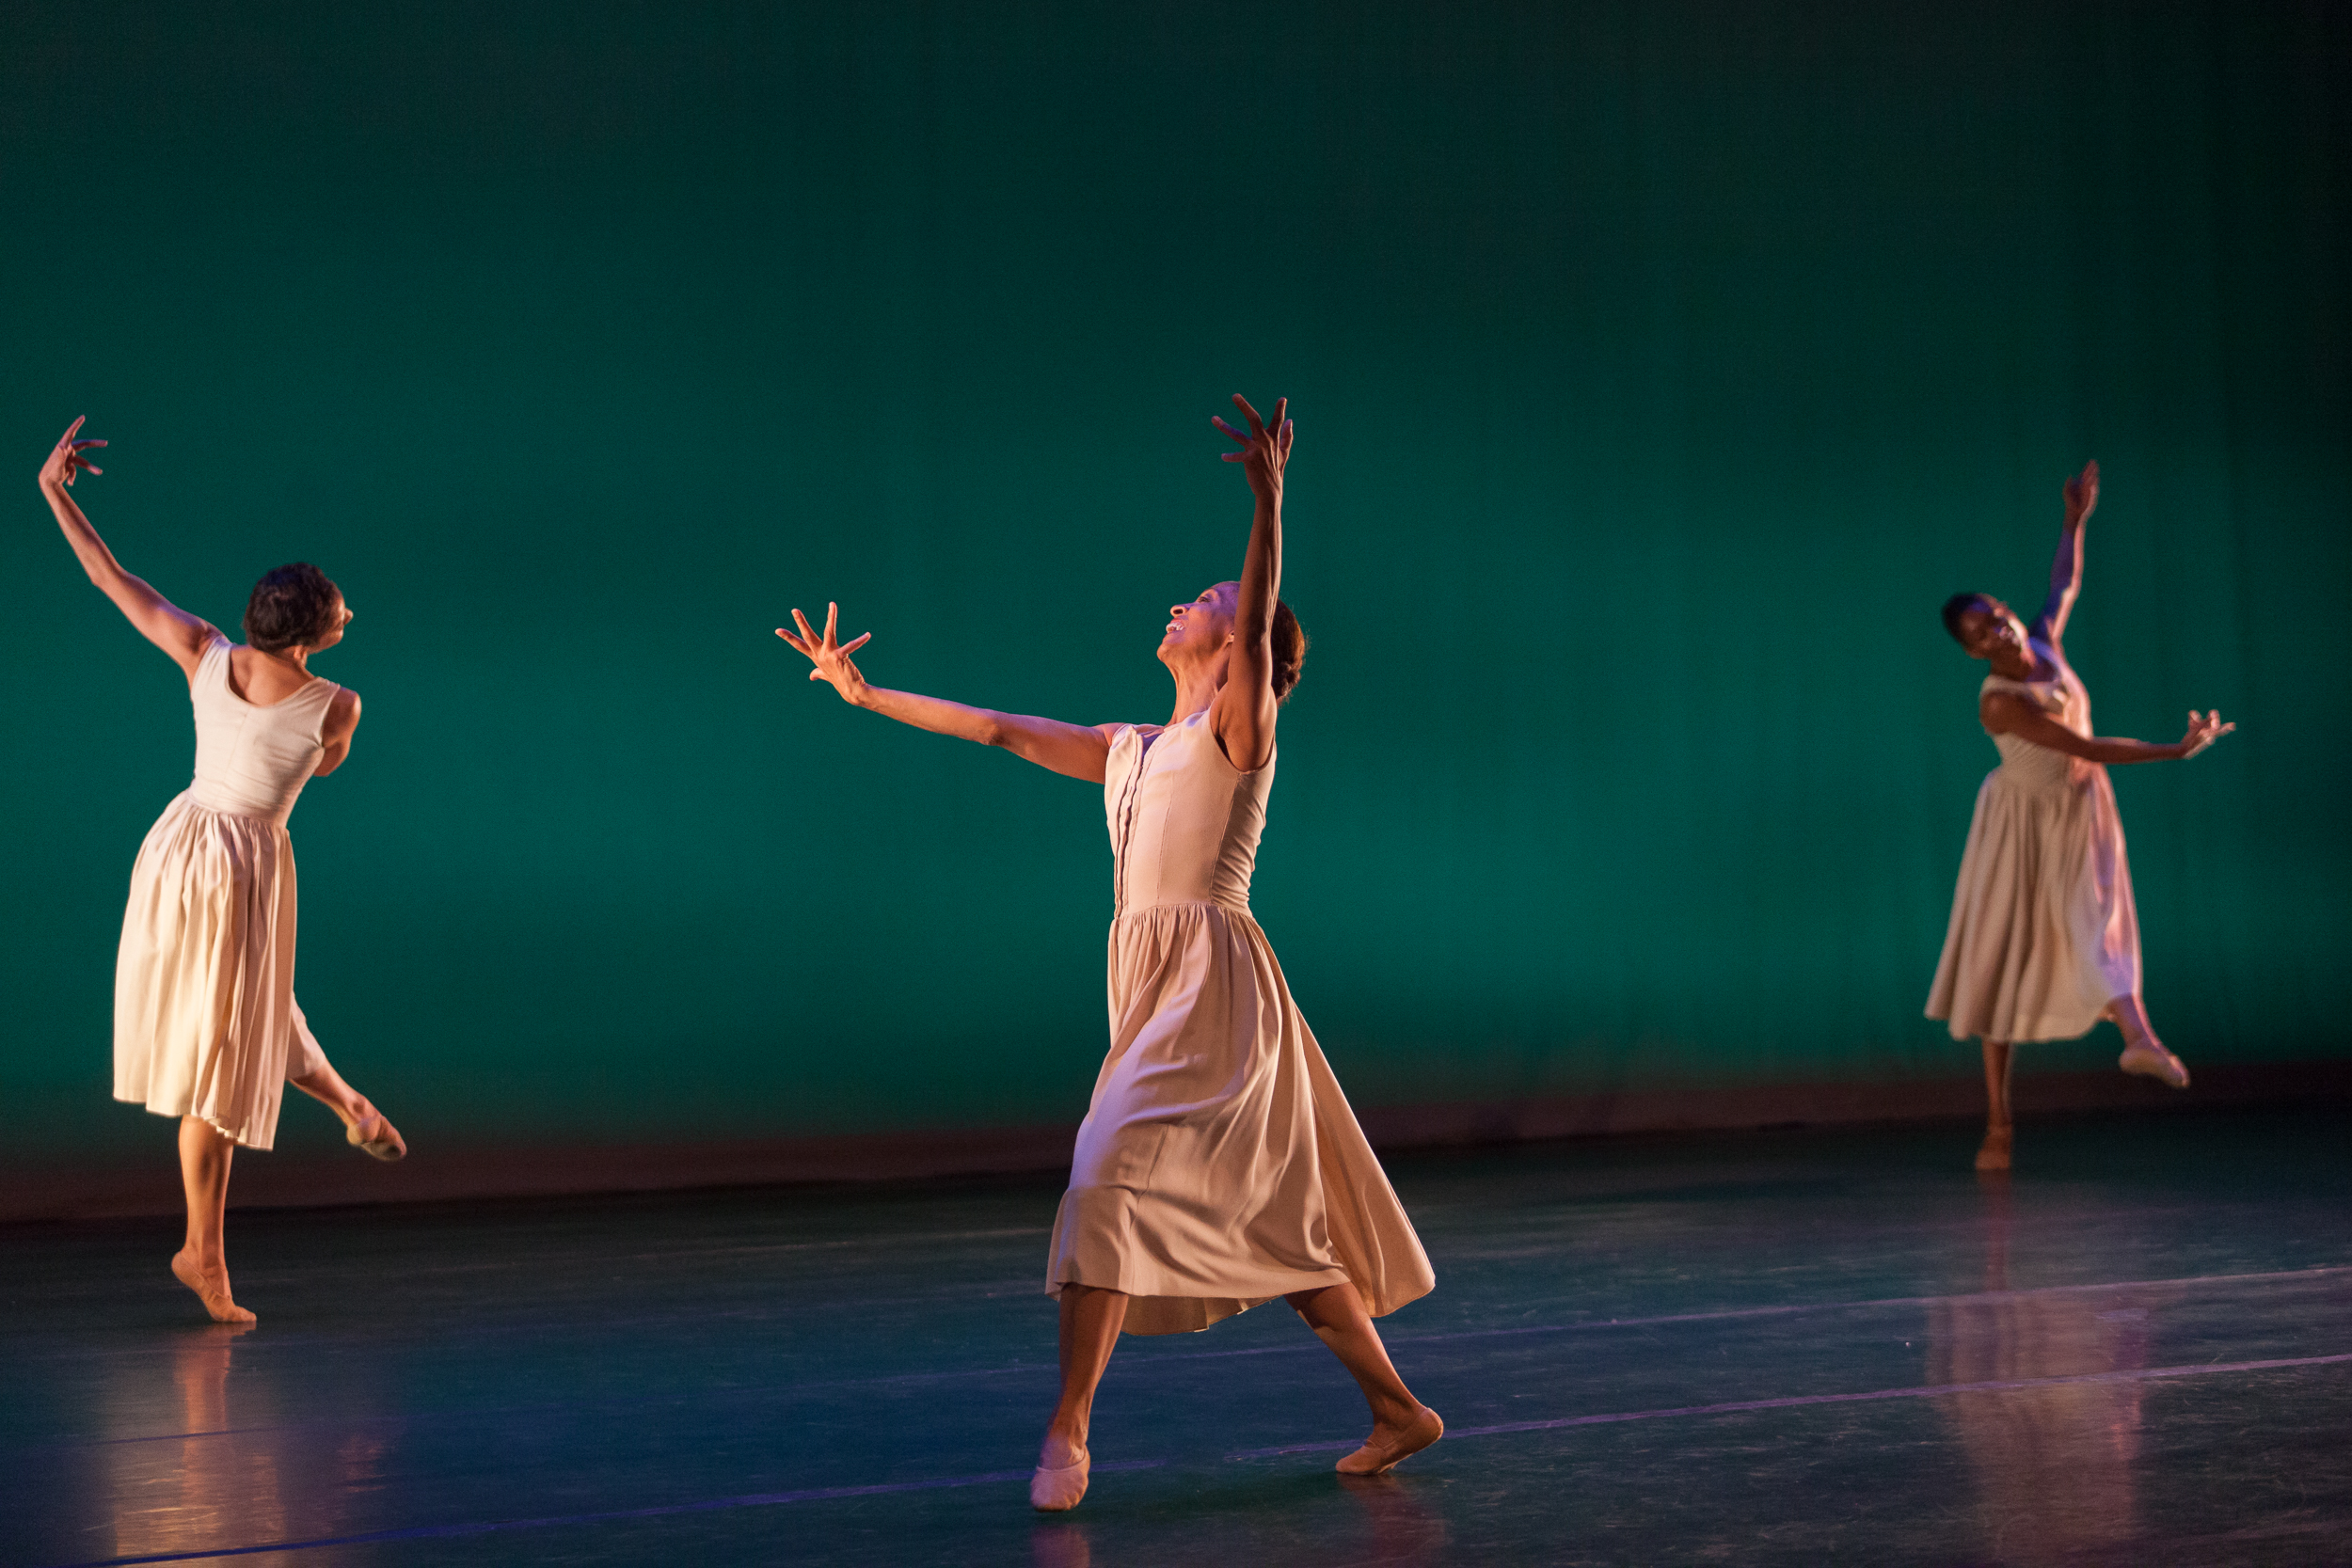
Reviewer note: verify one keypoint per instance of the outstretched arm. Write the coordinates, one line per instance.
(1243, 718)
(1081, 750)
(2004, 714)
(161, 622)
(2066, 568)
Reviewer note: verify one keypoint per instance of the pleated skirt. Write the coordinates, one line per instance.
(1220, 1165)
(205, 1019)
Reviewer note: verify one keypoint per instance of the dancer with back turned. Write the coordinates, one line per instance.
(206, 1027)
(1218, 1165)
(2043, 941)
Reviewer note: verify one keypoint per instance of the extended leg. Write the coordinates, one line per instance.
(2144, 1053)
(201, 1263)
(1091, 1321)
(1401, 1424)
(364, 1126)
(1999, 1058)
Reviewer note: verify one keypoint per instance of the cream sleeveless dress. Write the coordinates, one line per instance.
(1219, 1165)
(2042, 935)
(205, 1020)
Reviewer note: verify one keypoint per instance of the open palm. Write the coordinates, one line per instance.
(830, 656)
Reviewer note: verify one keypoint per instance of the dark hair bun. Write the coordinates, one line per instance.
(292, 605)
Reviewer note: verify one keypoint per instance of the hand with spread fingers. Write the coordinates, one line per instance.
(1077, 750)
(830, 656)
(66, 459)
(2203, 729)
(1265, 451)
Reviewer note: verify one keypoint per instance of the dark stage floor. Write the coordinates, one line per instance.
(1770, 1347)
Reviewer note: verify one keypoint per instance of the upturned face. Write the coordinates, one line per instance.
(1198, 631)
(1989, 627)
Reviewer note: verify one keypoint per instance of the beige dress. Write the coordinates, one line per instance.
(1219, 1165)
(2042, 935)
(205, 1020)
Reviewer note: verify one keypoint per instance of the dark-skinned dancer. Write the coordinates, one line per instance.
(2044, 939)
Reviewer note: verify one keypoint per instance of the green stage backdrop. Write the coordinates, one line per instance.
(1659, 368)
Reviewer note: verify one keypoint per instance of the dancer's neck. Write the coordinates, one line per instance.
(1196, 689)
(2015, 666)
(1188, 704)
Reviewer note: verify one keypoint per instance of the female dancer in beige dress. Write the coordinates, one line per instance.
(2043, 941)
(1219, 1165)
(206, 1028)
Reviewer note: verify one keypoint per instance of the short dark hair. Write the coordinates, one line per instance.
(290, 604)
(1290, 650)
(1958, 606)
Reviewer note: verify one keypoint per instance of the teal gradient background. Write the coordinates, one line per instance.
(1658, 370)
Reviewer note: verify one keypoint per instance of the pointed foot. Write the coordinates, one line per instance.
(374, 1136)
(1993, 1154)
(211, 1286)
(2154, 1061)
(1388, 1445)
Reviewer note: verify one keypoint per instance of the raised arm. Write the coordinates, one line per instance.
(2005, 714)
(174, 630)
(1080, 751)
(2066, 567)
(1243, 715)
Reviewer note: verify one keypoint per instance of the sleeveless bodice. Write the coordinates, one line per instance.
(2063, 697)
(1184, 822)
(1219, 1166)
(253, 761)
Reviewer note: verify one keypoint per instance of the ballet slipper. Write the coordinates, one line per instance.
(215, 1299)
(2154, 1061)
(1379, 1458)
(1059, 1491)
(1993, 1153)
(375, 1134)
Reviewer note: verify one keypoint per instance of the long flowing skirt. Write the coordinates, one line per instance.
(1219, 1165)
(2043, 934)
(205, 1019)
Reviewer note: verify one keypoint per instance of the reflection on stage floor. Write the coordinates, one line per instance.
(1793, 1347)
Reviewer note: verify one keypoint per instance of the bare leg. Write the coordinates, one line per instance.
(2144, 1053)
(202, 1263)
(1999, 1058)
(364, 1126)
(1401, 1424)
(1091, 1321)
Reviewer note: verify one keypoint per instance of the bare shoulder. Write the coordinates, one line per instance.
(190, 651)
(342, 711)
